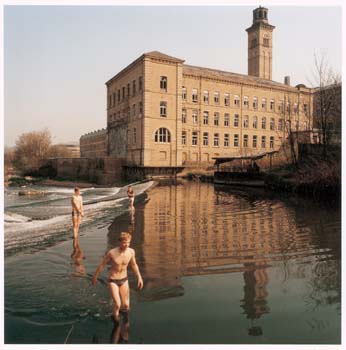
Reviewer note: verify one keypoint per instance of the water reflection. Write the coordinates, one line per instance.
(196, 229)
(77, 257)
(121, 329)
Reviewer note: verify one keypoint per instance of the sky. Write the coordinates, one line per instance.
(58, 58)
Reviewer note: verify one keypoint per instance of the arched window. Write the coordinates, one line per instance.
(162, 135)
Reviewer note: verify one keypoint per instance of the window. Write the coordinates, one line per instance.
(236, 120)
(236, 140)
(288, 125)
(288, 107)
(183, 115)
(163, 109)
(184, 93)
(226, 119)
(113, 98)
(194, 138)
(163, 83)
(297, 125)
(254, 122)
(246, 121)
(194, 95)
(205, 139)
(226, 140)
(183, 137)
(254, 103)
(254, 141)
(123, 96)
(118, 95)
(205, 118)
(272, 105)
(281, 106)
(134, 136)
(305, 107)
(246, 101)
(272, 124)
(216, 118)
(295, 108)
(140, 84)
(128, 90)
(162, 136)
(305, 126)
(236, 100)
(245, 140)
(265, 40)
(271, 142)
(109, 101)
(140, 107)
(226, 99)
(280, 124)
(216, 97)
(134, 110)
(206, 97)
(195, 117)
(263, 142)
(264, 122)
(216, 140)
(264, 104)
(133, 87)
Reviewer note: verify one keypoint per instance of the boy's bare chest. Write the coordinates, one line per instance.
(121, 259)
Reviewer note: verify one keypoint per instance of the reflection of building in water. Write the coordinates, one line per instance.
(255, 293)
(210, 232)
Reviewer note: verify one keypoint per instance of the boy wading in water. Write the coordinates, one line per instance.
(77, 211)
(131, 196)
(119, 258)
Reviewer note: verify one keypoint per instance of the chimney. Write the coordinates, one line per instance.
(287, 81)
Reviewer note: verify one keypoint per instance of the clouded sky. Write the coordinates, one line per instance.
(58, 58)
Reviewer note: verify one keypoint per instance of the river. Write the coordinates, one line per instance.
(220, 266)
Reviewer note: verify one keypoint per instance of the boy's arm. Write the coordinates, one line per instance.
(74, 205)
(136, 270)
(100, 268)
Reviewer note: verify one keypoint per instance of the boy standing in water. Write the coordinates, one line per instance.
(131, 196)
(119, 258)
(77, 211)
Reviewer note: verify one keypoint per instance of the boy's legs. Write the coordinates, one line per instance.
(75, 225)
(124, 291)
(116, 300)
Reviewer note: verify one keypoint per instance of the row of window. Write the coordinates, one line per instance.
(264, 103)
(226, 140)
(236, 120)
(162, 135)
(125, 92)
(130, 111)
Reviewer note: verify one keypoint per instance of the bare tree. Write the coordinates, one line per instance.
(31, 148)
(327, 101)
(8, 159)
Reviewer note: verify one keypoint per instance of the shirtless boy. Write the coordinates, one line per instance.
(119, 258)
(131, 196)
(77, 211)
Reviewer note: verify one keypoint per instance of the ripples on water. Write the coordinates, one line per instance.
(275, 261)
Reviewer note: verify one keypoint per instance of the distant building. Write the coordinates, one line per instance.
(69, 150)
(94, 144)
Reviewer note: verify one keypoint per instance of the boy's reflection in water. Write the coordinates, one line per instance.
(78, 256)
(120, 332)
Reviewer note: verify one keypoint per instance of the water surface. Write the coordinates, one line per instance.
(220, 266)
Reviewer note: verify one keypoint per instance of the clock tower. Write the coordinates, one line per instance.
(260, 36)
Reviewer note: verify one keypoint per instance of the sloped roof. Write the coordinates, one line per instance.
(236, 77)
(160, 55)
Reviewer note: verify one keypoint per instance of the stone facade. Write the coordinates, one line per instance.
(94, 144)
(162, 112)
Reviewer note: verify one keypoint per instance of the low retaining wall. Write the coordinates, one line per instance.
(103, 171)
